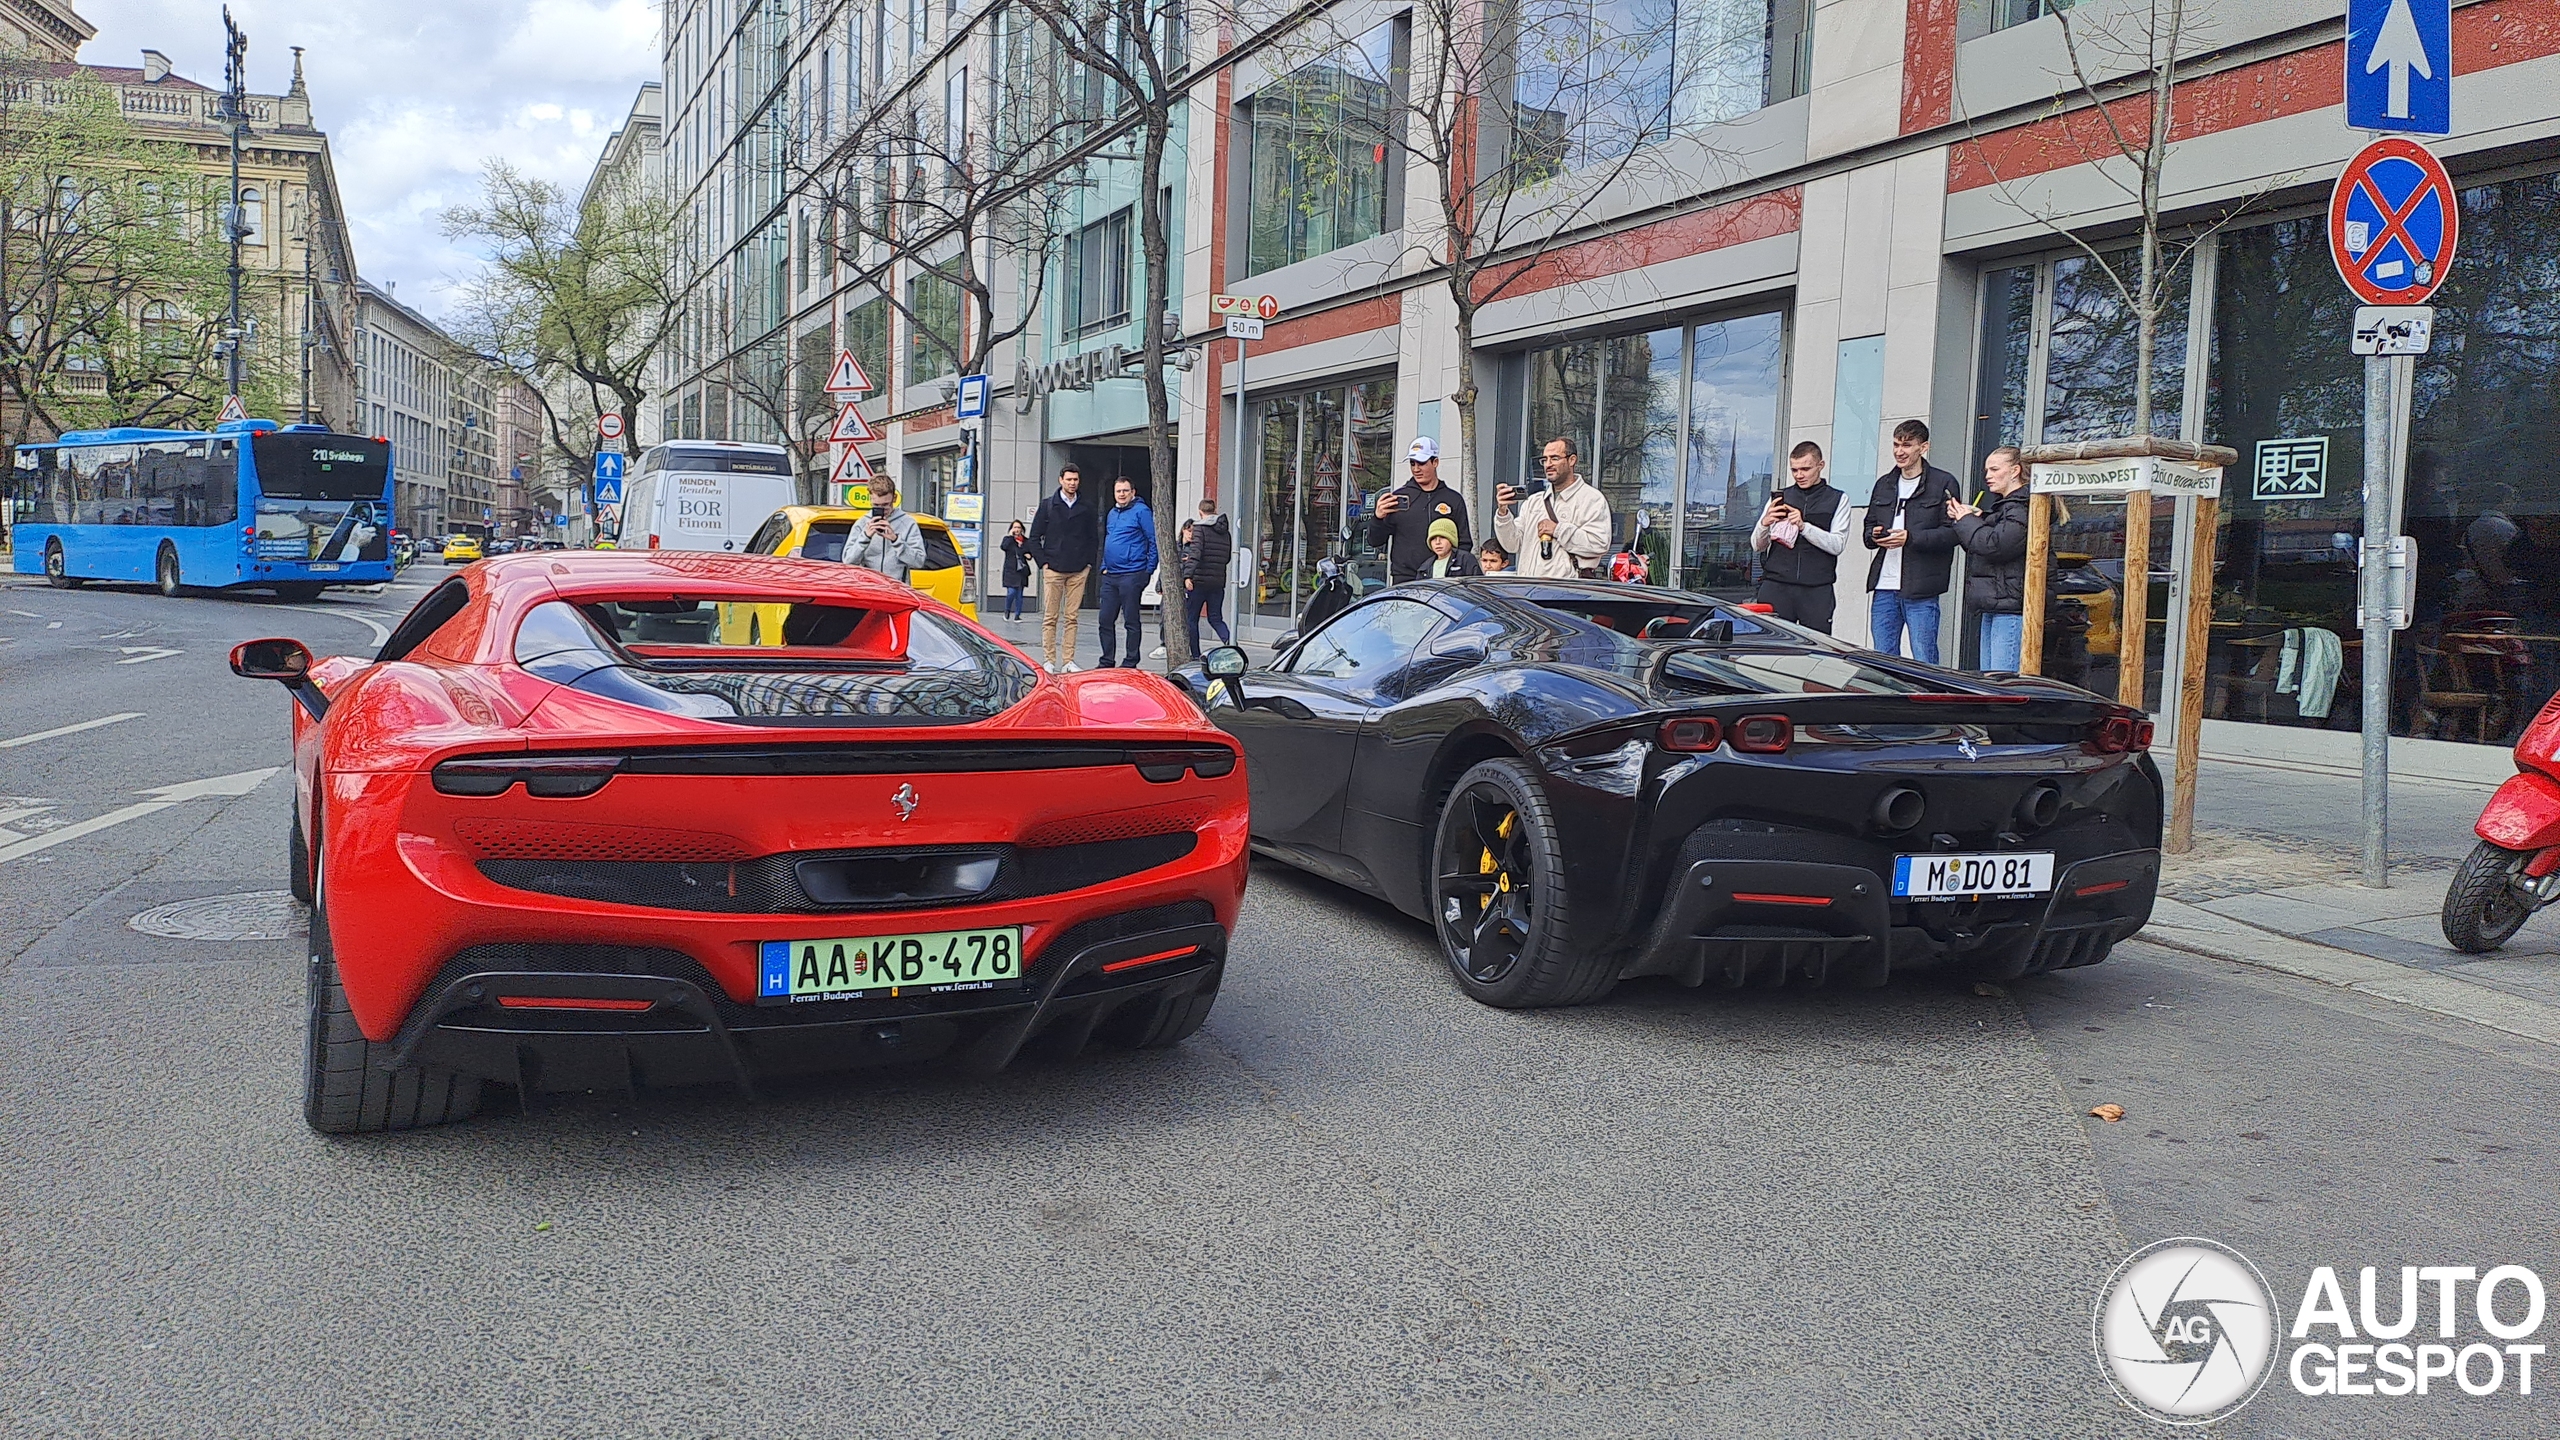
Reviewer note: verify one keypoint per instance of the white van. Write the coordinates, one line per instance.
(702, 495)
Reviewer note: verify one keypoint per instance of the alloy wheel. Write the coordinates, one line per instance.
(1484, 886)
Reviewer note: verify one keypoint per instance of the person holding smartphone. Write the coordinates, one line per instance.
(1799, 538)
(888, 540)
(1914, 541)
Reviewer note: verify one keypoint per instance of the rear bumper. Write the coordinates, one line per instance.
(670, 1024)
(1737, 922)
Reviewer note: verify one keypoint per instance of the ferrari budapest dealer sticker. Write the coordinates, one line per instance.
(866, 966)
(2188, 1331)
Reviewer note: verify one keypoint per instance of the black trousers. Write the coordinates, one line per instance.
(1807, 605)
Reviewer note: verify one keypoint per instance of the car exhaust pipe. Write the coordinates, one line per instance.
(1898, 809)
(2040, 806)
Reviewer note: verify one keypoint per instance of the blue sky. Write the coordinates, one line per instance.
(415, 95)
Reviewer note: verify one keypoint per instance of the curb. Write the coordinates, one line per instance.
(2181, 926)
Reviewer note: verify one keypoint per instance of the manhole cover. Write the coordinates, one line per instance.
(257, 915)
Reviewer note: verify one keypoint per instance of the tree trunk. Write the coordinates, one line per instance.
(1160, 452)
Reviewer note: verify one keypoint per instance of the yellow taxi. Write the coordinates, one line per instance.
(820, 532)
(461, 549)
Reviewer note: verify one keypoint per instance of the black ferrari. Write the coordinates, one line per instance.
(1580, 783)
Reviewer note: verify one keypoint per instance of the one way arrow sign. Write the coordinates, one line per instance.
(2400, 66)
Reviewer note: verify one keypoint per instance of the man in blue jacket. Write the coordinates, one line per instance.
(1128, 558)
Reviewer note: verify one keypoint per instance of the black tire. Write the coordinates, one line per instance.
(1160, 1023)
(2481, 907)
(300, 590)
(1498, 895)
(346, 1089)
(54, 566)
(298, 863)
(167, 572)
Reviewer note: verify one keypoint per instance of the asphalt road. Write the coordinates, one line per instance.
(1356, 1205)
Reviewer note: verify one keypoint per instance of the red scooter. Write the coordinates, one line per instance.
(2515, 869)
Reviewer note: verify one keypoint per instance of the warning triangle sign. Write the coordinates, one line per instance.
(232, 409)
(851, 426)
(847, 378)
(852, 469)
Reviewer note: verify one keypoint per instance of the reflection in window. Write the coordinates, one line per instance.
(2088, 389)
(1367, 642)
(1638, 461)
(2008, 323)
(1319, 150)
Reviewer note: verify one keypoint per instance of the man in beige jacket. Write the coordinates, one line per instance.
(1563, 530)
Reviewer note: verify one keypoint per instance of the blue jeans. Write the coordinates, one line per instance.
(1889, 611)
(2001, 637)
(1206, 597)
(1013, 602)
(1120, 596)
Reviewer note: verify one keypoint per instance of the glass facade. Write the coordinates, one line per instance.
(1678, 426)
(1318, 166)
(1320, 457)
(2278, 385)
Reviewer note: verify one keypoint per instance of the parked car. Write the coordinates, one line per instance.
(461, 549)
(1577, 783)
(545, 855)
(820, 532)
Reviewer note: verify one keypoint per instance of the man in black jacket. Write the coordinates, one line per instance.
(1401, 518)
(1914, 541)
(1799, 537)
(1204, 574)
(1066, 538)
(1994, 538)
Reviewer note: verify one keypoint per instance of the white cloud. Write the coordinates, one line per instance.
(415, 97)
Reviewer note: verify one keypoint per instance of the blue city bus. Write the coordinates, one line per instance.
(293, 508)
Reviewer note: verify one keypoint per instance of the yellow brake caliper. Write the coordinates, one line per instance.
(1486, 866)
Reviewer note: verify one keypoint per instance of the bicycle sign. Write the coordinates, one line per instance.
(2392, 223)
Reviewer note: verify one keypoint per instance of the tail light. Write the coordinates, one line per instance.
(653, 542)
(2119, 734)
(1209, 762)
(1692, 736)
(1761, 734)
(1757, 607)
(550, 777)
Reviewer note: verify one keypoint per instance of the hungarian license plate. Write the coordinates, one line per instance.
(1940, 877)
(874, 966)
(324, 565)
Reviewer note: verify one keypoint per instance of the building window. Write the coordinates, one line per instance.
(1318, 172)
(1317, 460)
(1678, 426)
(866, 334)
(253, 216)
(934, 339)
(1595, 79)
(1975, 18)
(2483, 505)
(1094, 277)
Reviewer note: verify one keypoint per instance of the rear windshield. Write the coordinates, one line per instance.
(818, 665)
(1720, 671)
(321, 467)
(725, 462)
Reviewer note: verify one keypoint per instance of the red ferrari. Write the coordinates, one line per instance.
(556, 836)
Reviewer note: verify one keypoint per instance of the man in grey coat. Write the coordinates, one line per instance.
(889, 541)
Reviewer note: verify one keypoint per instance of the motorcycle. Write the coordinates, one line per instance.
(2515, 869)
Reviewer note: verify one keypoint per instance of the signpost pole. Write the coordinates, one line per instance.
(2382, 407)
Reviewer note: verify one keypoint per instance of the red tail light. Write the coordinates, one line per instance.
(551, 777)
(2117, 734)
(1693, 736)
(1757, 608)
(1761, 734)
(653, 542)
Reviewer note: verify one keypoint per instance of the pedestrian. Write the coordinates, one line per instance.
(1204, 574)
(1401, 518)
(1994, 537)
(1799, 539)
(1449, 559)
(1492, 559)
(1128, 558)
(1560, 531)
(1017, 569)
(1066, 538)
(1914, 541)
(890, 541)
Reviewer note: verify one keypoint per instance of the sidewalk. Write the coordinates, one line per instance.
(2274, 882)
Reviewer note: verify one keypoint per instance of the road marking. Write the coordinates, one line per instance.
(56, 625)
(136, 654)
(220, 787)
(71, 729)
(30, 614)
(381, 632)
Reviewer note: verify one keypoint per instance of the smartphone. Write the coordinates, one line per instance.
(1536, 484)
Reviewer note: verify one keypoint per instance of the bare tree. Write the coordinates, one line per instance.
(1527, 119)
(1127, 64)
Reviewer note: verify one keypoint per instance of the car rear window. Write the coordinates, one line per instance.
(1721, 671)
(828, 666)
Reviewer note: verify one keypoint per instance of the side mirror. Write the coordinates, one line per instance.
(1225, 665)
(287, 662)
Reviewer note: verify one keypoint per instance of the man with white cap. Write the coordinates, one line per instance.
(1401, 518)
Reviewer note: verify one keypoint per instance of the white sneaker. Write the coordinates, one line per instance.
(1071, 667)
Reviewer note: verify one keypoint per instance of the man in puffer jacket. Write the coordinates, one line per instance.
(1994, 537)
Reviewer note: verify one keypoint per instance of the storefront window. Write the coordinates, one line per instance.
(1324, 455)
(2481, 501)
(1693, 458)
(2089, 371)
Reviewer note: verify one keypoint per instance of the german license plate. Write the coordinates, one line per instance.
(1941, 877)
(874, 966)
